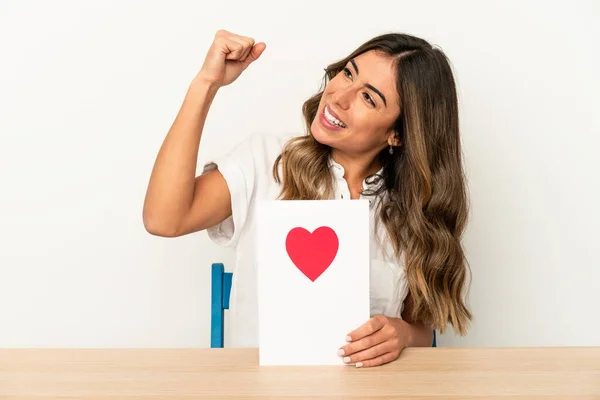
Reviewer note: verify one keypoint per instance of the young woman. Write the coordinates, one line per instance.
(383, 127)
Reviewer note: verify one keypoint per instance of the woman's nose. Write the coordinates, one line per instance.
(341, 97)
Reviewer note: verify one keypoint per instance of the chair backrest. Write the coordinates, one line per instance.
(220, 291)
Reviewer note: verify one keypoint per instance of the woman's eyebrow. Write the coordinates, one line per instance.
(368, 84)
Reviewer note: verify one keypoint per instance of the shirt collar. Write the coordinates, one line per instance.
(338, 172)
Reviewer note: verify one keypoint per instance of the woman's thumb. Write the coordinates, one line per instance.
(256, 52)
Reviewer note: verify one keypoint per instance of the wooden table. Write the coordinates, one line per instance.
(420, 373)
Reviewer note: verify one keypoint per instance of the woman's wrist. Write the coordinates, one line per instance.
(404, 331)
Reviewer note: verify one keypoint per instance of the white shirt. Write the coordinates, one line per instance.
(247, 170)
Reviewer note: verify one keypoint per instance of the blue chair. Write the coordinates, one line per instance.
(220, 291)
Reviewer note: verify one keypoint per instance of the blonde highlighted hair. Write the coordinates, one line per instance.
(426, 204)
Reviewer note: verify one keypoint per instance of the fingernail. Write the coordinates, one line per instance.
(346, 359)
(341, 352)
(348, 339)
(358, 364)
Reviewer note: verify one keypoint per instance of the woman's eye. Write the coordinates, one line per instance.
(368, 98)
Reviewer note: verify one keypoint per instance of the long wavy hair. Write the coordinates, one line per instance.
(423, 200)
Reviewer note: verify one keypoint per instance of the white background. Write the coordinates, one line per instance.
(89, 90)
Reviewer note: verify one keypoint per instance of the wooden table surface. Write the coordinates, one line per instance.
(420, 373)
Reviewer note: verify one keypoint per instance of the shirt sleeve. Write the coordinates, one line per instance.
(238, 167)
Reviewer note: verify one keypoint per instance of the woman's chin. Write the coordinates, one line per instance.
(319, 133)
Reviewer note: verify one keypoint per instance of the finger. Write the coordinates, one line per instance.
(229, 35)
(245, 42)
(371, 352)
(236, 49)
(379, 360)
(367, 342)
(255, 52)
(249, 44)
(368, 328)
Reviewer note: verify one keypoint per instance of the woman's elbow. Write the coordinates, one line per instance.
(157, 226)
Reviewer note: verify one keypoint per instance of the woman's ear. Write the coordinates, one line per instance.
(393, 139)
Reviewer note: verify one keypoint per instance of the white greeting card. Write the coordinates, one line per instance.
(313, 278)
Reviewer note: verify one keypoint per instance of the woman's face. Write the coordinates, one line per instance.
(359, 107)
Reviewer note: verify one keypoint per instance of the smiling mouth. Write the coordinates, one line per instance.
(333, 120)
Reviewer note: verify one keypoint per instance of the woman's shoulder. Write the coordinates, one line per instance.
(252, 153)
(269, 142)
(263, 147)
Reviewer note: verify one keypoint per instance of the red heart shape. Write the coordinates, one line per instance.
(312, 253)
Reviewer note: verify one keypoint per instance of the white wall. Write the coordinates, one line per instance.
(89, 90)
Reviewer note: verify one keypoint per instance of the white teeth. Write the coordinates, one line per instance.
(332, 119)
